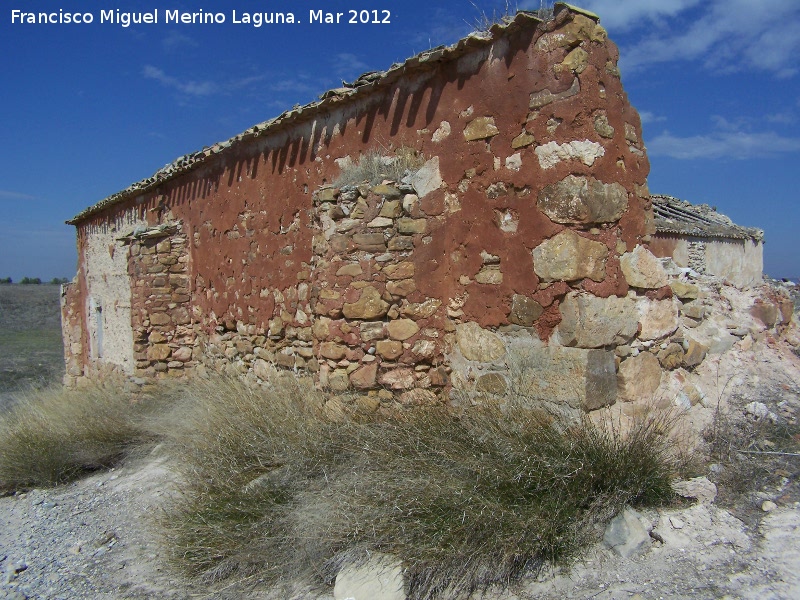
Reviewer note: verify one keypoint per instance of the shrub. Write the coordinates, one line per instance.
(30, 281)
(464, 501)
(7, 280)
(55, 435)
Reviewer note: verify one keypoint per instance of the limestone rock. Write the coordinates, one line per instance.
(576, 61)
(402, 329)
(402, 270)
(568, 256)
(479, 344)
(626, 535)
(350, 270)
(421, 310)
(545, 96)
(695, 353)
(364, 377)
(699, 488)
(158, 352)
(671, 357)
(684, 290)
(480, 129)
(410, 226)
(567, 377)
(490, 275)
(492, 383)
(592, 322)
(524, 310)
(583, 200)
(523, 140)
(418, 397)
(401, 288)
(642, 269)
(639, 377)
(658, 318)
(369, 306)
(160, 318)
(602, 127)
(424, 348)
(389, 192)
(379, 578)
(397, 379)
(389, 349)
(391, 209)
(552, 153)
(427, 178)
(332, 350)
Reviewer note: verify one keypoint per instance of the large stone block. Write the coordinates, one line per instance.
(575, 377)
(659, 318)
(427, 178)
(568, 257)
(479, 344)
(639, 378)
(591, 322)
(642, 269)
(579, 200)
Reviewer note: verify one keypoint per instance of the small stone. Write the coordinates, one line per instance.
(389, 349)
(381, 222)
(602, 127)
(411, 226)
(480, 128)
(699, 488)
(402, 329)
(676, 523)
(523, 140)
(389, 192)
(768, 506)
(524, 310)
(671, 357)
(369, 306)
(625, 535)
(684, 290)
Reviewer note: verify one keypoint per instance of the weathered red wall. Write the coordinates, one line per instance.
(249, 215)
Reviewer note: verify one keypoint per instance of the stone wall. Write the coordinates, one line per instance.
(739, 261)
(518, 231)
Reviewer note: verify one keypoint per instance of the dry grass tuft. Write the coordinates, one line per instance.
(55, 435)
(464, 501)
(375, 166)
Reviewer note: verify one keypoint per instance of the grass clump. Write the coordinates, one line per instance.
(55, 435)
(464, 501)
(375, 166)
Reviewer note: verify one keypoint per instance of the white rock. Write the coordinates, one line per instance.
(552, 153)
(768, 506)
(380, 578)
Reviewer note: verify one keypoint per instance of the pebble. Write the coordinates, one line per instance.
(768, 506)
(676, 523)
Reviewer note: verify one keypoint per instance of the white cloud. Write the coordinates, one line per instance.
(647, 117)
(728, 143)
(176, 39)
(621, 15)
(9, 195)
(349, 65)
(190, 88)
(725, 35)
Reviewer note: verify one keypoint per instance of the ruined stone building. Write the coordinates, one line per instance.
(700, 238)
(515, 234)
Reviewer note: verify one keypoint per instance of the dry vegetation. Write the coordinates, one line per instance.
(378, 165)
(53, 435)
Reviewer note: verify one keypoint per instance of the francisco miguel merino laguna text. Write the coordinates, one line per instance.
(156, 16)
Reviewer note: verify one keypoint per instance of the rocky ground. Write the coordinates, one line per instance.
(98, 537)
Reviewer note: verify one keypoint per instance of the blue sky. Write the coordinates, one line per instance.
(90, 108)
